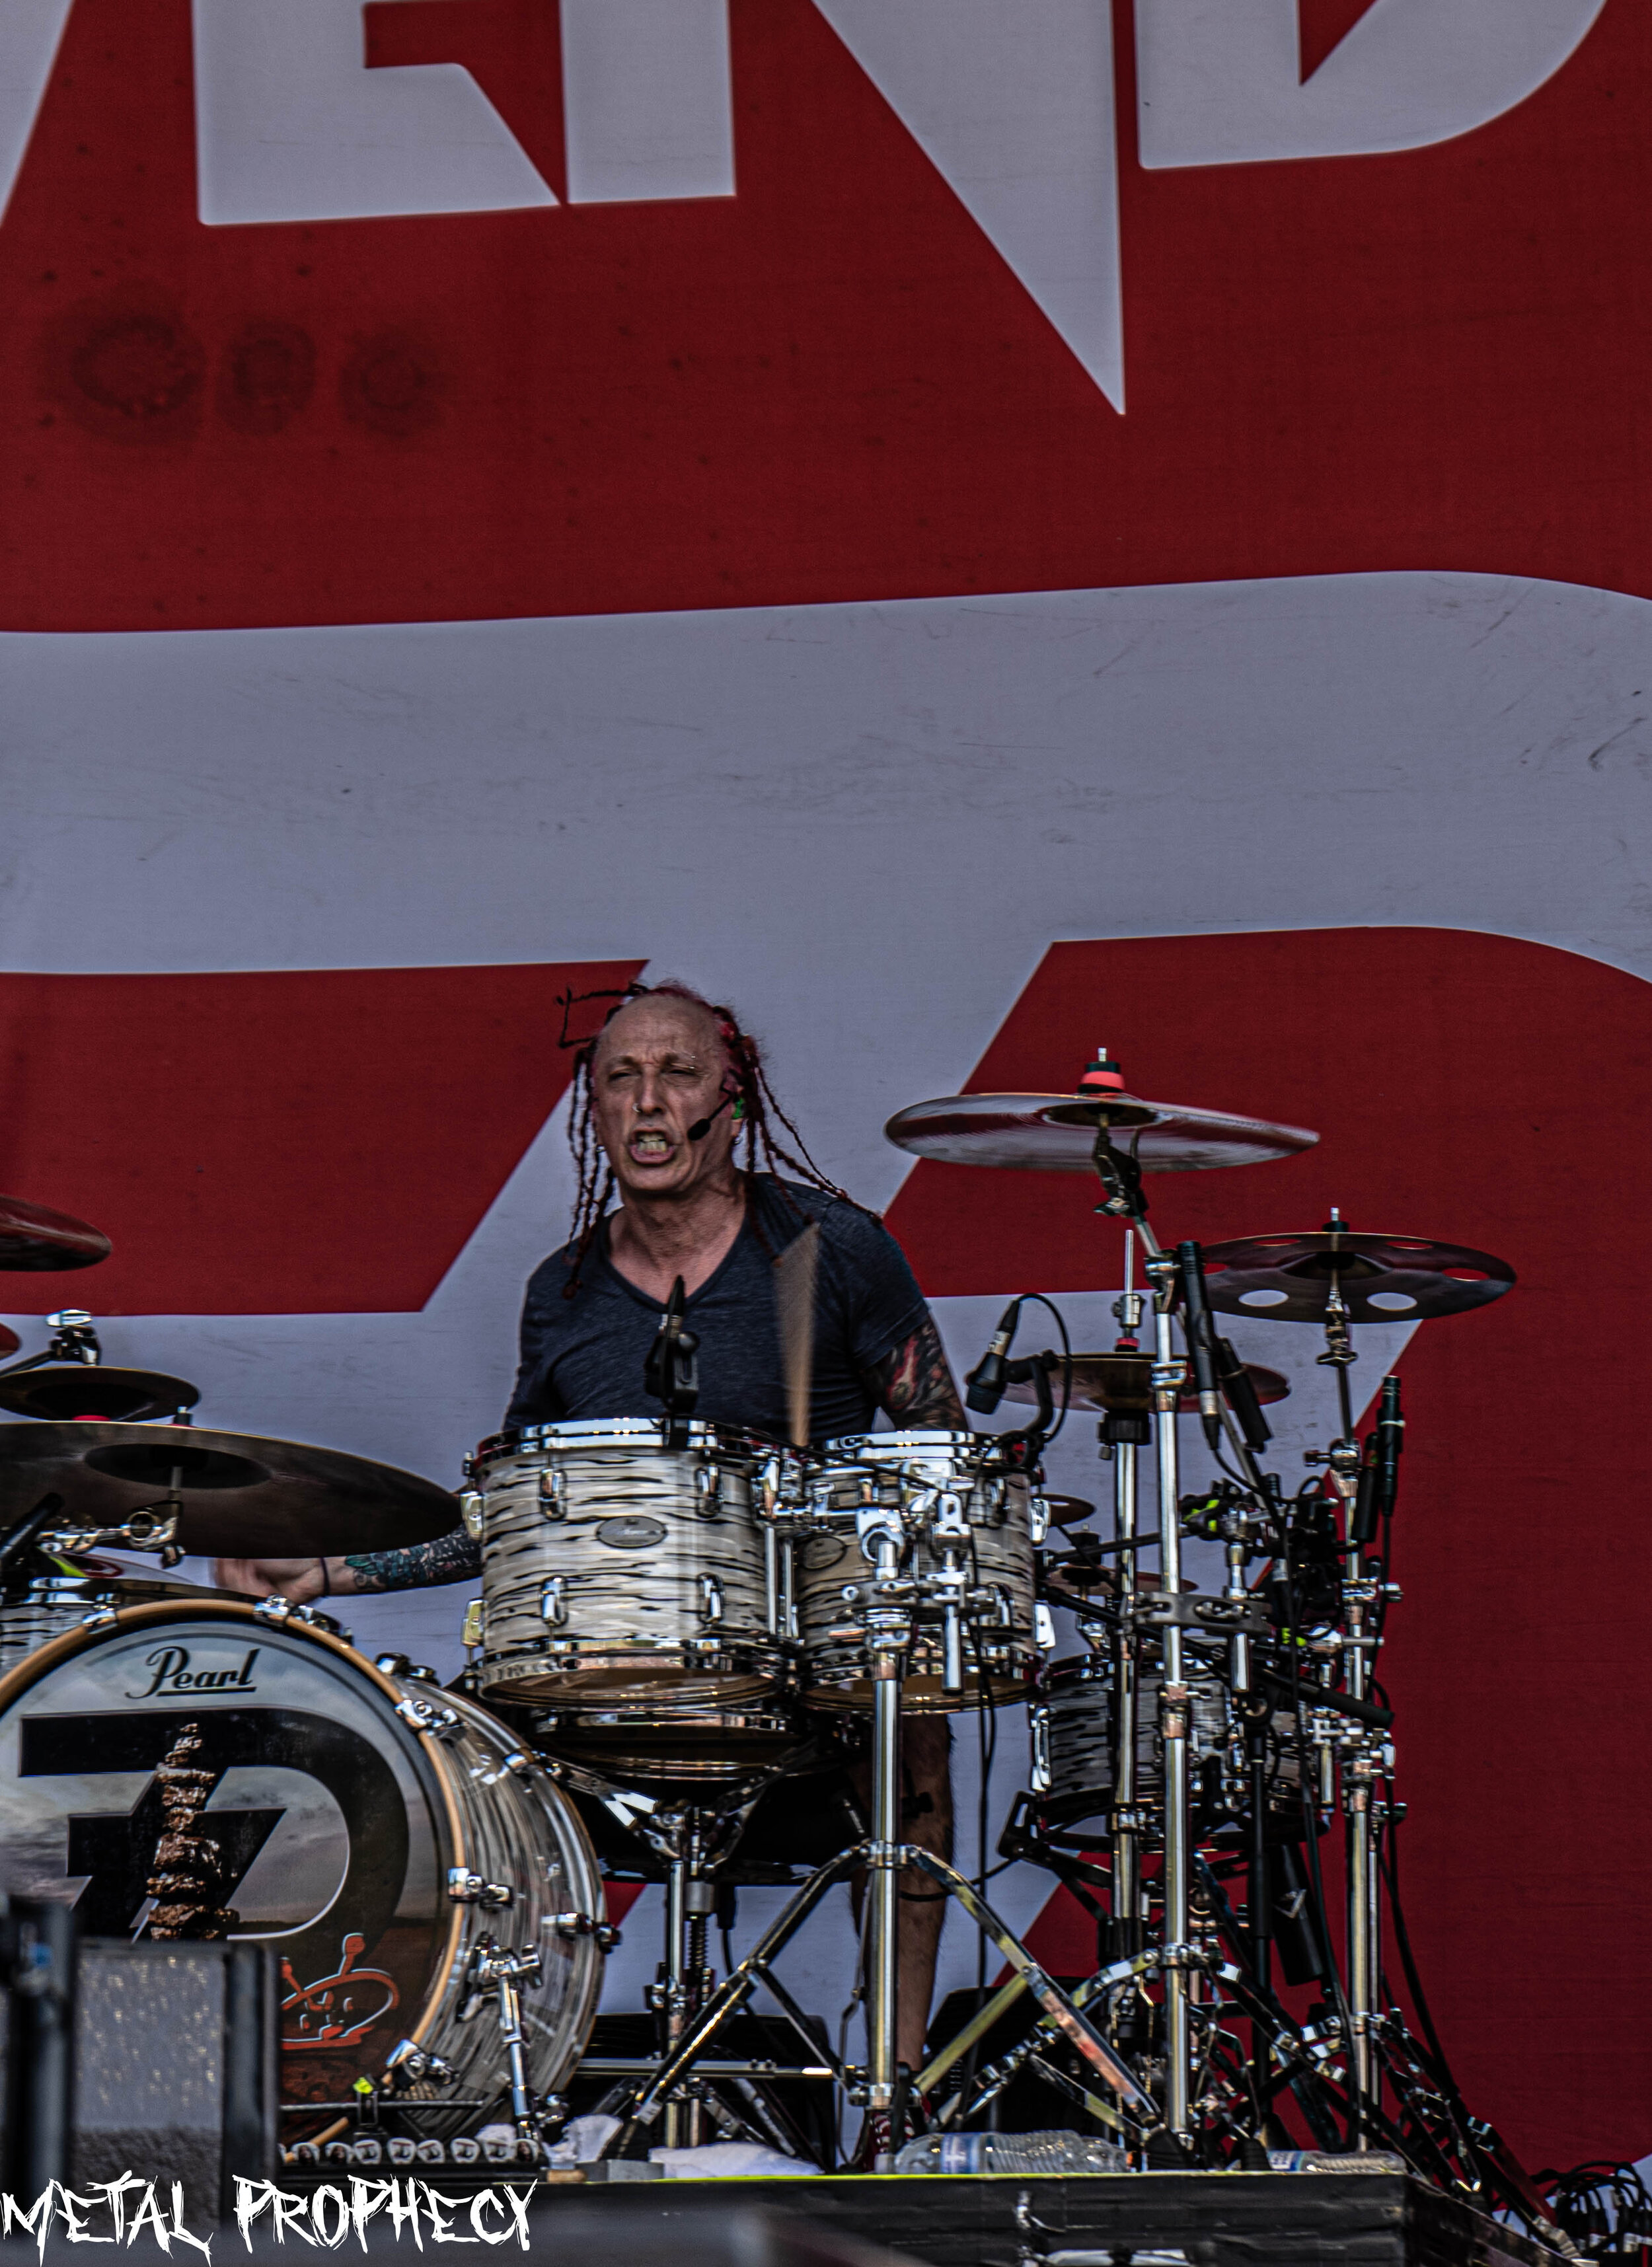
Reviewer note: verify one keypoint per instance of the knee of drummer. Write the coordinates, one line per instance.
(926, 1742)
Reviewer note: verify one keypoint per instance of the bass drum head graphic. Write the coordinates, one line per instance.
(214, 1771)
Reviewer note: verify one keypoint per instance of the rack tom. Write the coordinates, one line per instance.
(619, 1573)
(915, 1472)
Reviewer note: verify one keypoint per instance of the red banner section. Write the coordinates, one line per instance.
(827, 385)
(320, 1142)
(1494, 1091)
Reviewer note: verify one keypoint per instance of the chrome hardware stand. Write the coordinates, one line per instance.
(886, 1605)
(1127, 1824)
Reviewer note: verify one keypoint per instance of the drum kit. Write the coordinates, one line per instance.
(676, 1619)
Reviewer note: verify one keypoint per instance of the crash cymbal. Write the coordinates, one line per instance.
(33, 1240)
(62, 1389)
(1125, 1381)
(1384, 1278)
(1056, 1133)
(243, 1496)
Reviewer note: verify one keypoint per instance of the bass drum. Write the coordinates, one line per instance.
(223, 1769)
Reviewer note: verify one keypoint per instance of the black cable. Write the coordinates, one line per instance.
(1029, 1298)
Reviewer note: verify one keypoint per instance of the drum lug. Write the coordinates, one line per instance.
(475, 1626)
(275, 1608)
(553, 1601)
(1038, 1724)
(438, 1722)
(464, 1888)
(408, 2064)
(573, 1924)
(1043, 1627)
(99, 1618)
(708, 1485)
(1037, 1520)
(470, 1507)
(554, 1492)
(710, 1598)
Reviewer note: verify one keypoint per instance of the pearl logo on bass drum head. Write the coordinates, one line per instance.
(172, 1672)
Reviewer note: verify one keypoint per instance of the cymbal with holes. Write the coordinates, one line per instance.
(1056, 1133)
(1383, 1279)
(33, 1240)
(242, 1497)
(1125, 1381)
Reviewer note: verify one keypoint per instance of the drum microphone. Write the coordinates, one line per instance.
(1240, 1390)
(987, 1382)
(1380, 1473)
(1190, 1260)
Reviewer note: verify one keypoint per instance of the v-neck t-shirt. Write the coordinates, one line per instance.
(585, 1356)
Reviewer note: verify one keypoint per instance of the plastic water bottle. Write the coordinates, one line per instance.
(1050, 2151)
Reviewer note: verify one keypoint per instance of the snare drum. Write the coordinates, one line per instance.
(913, 1472)
(380, 1833)
(617, 1573)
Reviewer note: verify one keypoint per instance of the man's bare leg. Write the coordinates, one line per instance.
(926, 1743)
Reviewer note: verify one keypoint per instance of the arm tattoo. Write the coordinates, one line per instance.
(452, 1557)
(913, 1384)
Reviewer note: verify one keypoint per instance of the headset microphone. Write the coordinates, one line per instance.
(701, 1126)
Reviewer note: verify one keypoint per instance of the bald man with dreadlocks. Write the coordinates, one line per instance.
(665, 1097)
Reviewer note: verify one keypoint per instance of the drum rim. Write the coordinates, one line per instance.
(17, 1682)
(619, 1432)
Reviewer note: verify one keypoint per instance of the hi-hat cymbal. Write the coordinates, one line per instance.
(62, 1389)
(33, 1240)
(242, 1497)
(1384, 1278)
(1125, 1381)
(1056, 1133)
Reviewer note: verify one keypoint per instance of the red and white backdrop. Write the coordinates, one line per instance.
(970, 527)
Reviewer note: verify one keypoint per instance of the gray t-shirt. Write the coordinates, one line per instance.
(585, 1356)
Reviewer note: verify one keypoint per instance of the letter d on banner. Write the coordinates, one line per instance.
(1221, 80)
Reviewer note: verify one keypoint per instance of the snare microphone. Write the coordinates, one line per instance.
(985, 1383)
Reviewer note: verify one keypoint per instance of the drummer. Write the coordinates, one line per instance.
(664, 1097)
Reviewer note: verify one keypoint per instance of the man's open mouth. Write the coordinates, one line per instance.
(651, 1149)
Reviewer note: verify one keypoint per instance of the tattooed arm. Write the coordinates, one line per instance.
(913, 1384)
(452, 1557)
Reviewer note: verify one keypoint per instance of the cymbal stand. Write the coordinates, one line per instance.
(1121, 1178)
(1122, 1436)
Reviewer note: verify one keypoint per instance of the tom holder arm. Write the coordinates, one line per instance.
(671, 1372)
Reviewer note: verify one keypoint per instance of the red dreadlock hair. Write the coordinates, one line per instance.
(746, 1079)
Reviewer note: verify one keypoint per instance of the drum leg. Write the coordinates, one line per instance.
(884, 1889)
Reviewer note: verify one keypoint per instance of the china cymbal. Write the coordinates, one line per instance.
(1125, 1381)
(33, 1240)
(242, 1497)
(1056, 1133)
(62, 1389)
(1384, 1278)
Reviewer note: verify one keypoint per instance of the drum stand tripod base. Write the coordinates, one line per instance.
(757, 1968)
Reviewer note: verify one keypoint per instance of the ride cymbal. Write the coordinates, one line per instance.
(1383, 1279)
(242, 1497)
(62, 1389)
(1056, 1133)
(34, 1242)
(1125, 1381)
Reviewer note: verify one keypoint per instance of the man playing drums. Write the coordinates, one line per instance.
(663, 1097)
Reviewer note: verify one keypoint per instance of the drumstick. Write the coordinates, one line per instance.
(795, 1273)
